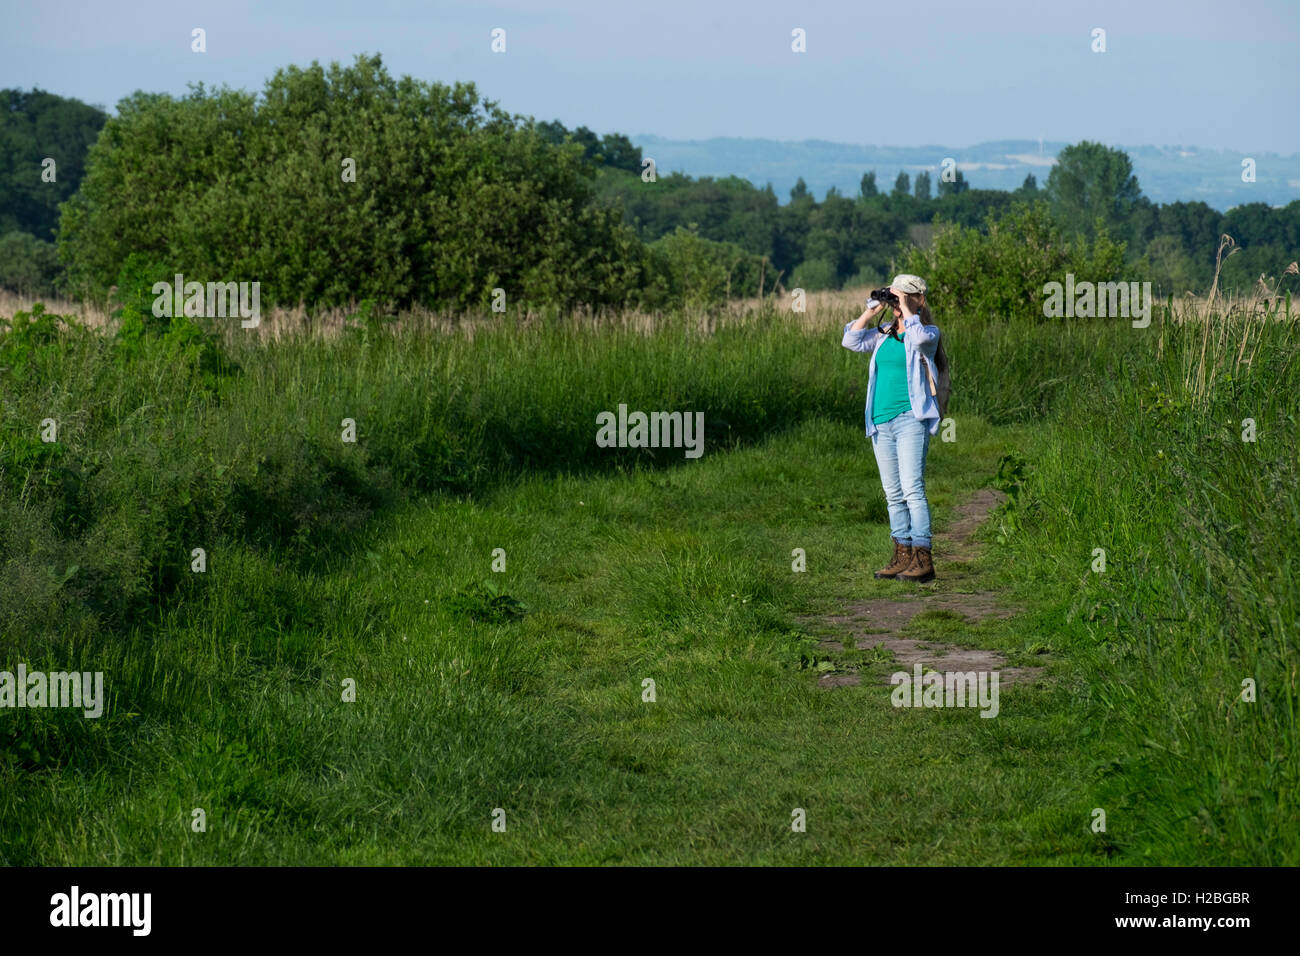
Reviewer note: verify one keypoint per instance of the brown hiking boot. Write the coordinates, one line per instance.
(900, 562)
(921, 569)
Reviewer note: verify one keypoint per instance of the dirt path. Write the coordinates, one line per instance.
(880, 624)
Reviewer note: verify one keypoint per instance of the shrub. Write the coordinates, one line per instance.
(446, 197)
(28, 265)
(699, 271)
(30, 341)
(181, 341)
(1000, 274)
(813, 275)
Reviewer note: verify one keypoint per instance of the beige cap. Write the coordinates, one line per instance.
(913, 285)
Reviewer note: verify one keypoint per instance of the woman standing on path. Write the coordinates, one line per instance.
(902, 414)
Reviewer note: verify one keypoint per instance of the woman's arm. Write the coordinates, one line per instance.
(919, 335)
(860, 335)
(866, 317)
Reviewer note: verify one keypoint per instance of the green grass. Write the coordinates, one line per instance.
(522, 690)
(681, 576)
(1201, 589)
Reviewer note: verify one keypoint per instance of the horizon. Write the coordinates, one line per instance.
(937, 145)
(1165, 173)
(699, 77)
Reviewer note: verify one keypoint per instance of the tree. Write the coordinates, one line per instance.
(973, 207)
(1030, 185)
(1172, 268)
(790, 236)
(1196, 225)
(800, 191)
(620, 153)
(552, 132)
(868, 187)
(33, 127)
(452, 196)
(852, 236)
(723, 210)
(903, 184)
(590, 144)
(1092, 182)
(923, 186)
(957, 185)
(615, 150)
(813, 275)
(28, 265)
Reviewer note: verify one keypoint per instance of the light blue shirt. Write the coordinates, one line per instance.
(920, 341)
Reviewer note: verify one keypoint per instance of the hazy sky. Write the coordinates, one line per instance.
(1220, 74)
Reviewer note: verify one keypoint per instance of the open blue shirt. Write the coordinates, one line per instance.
(920, 341)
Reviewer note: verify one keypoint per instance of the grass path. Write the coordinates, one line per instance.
(682, 577)
(685, 578)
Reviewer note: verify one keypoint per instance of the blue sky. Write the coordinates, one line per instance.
(1217, 75)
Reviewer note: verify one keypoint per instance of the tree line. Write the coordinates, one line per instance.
(341, 183)
(852, 240)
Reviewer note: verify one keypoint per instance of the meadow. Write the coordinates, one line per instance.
(521, 689)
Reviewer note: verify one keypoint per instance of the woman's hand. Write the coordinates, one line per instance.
(866, 318)
(902, 303)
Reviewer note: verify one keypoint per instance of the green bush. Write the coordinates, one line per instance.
(29, 343)
(451, 199)
(28, 266)
(694, 271)
(180, 340)
(1001, 273)
(814, 275)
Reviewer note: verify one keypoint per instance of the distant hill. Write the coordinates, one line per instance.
(1165, 173)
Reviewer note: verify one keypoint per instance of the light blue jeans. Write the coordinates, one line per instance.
(900, 445)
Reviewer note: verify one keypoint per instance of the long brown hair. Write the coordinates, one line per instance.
(916, 302)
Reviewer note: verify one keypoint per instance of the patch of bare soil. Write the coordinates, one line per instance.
(879, 624)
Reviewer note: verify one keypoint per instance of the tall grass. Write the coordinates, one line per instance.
(1139, 452)
(156, 456)
(159, 454)
(1198, 608)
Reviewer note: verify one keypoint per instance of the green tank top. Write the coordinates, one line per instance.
(890, 399)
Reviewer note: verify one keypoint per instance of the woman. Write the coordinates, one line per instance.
(902, 414)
